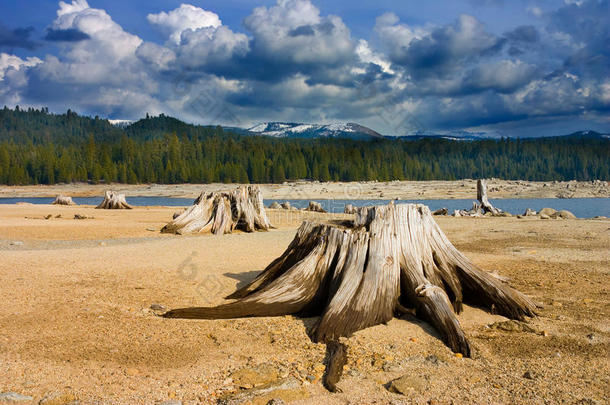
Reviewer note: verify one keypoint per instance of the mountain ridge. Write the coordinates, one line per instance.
(349, 130)
(19, 125)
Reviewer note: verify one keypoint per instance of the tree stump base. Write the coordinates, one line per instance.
(359, 273)
(315, 207)
(114, 201)
(222, 212)
(63, 200)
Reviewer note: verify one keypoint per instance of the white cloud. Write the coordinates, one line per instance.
(155, 56)
(12, 62)
(501, 76)
(367, 55)
(197, 38)
(109, 42)
(294, 31)
(186, 17)
(206, 45)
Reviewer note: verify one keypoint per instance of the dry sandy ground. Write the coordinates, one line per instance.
(75, 319)
(406, 190)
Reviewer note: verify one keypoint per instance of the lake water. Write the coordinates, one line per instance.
(581, 207)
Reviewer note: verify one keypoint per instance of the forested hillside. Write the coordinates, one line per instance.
(41, 148)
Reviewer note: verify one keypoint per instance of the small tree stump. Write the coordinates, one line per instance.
(222, 212)
(114, 201)
(357, 274)
(63, 200)
(441, 211)
(315, 207)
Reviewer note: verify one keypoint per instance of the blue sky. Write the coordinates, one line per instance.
(512, 68)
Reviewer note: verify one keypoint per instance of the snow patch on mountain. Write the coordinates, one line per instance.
(299, 130)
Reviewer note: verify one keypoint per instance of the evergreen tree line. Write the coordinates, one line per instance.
(41, 148)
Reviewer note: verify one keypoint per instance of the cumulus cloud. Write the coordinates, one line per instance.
(12, 62)
(440, 50)
(293, 32)
(86, 72)
(210, 46)
(155, 56)
(13, 78)
(585, 25)
(197, 39)
(186, 17)
(504, 76)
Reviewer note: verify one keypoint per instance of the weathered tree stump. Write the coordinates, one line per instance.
(315, 207)
(63, 200)
(482, 197)
(114, 201)
(359, 274)
(349, 209)
(222, 212)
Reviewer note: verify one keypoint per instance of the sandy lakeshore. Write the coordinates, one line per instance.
(404, 190)
(76, 320)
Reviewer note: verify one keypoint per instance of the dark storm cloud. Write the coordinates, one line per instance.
(523, 33)
(68, 35)
(588, 26)
(446, 48)
(16, 38)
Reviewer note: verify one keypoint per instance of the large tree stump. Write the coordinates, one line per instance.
(63, 200)
(114, 201)
(222, 212)
(358, 274)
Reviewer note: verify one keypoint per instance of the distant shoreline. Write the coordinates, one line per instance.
(404, 190)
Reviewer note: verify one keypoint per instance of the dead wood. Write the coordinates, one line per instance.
(315, 207)
(485, 205)
(114, 201)
(336, 359)
(349, 209)
(222, 212)
(389, 258)
(63, 200)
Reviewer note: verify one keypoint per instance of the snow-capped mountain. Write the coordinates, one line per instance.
(121, 123)
(348, 130)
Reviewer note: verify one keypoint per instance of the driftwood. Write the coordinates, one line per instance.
(63, 200)
(315, 207)
(222, 212)
(482, 197)
(114, 201)
(441, 211)
(360, 273)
